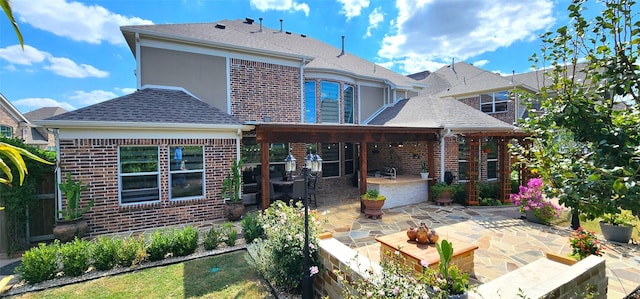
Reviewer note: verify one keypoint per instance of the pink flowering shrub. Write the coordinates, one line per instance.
(531, 198)
(585, 243)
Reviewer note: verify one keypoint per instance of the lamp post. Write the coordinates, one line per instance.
(313, 163)
(290, 165)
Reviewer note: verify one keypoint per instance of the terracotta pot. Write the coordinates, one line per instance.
(67, 230)
(235, 210)
(433, 236)
(373, 208)
(412, 233)
(422, 236)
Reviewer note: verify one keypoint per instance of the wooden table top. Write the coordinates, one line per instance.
(428, 252)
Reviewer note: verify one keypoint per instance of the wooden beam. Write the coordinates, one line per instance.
(264, 171)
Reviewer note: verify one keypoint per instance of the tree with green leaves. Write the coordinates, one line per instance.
(6, 7)
(586, 137)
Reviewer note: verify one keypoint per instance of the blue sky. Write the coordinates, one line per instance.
(75, 54)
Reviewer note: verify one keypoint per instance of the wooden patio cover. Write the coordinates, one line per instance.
(267, 133)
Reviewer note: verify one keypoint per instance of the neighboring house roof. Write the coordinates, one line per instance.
(433, 112)
(12, 110)
(151, 105)
(43, 113)
(26, 130)
(462, 79)
(537, 79)
(240, 36)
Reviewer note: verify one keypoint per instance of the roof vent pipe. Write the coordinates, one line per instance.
(260, 25)
(342, 53)
(280, 25)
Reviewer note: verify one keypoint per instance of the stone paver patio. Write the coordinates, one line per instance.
(505, 241)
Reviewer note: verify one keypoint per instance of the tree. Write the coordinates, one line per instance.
(6, 7)
(586, 139)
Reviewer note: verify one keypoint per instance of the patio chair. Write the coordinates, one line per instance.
(311, 189)
(297, 192)
(273, 195)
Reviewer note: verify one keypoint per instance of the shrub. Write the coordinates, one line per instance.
(230, 234)
(213, 238)
(105, 252)
(489, 202)
(159, 245)
(585, 243)
(251, 228)
(74, 257)
(185, 241)
(39, 263)
(487, 190)
(131, 252)
(280, 257)
(531, 198)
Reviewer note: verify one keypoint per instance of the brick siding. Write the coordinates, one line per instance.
(96, 161)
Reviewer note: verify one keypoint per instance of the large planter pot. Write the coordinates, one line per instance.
(616, 233)
(235, 210)
(445, 198)
(373, 208)
(530, 215)
(67, 230)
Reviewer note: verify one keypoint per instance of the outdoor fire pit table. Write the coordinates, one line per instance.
(415, 252)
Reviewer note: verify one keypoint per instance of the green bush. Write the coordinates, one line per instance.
(487, 190)
(159, 245)
(131, 252)
(230, 234)
(39, 263)
(185, 241)
(105, 252)
(213, 238)
(280, 257)
(74, 257)
(460, 193)
(489, 202)
(251, 229)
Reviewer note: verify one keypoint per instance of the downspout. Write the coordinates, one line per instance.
(58, 195)
(442, 143)
(238, 157)
(138, 63)
(359, 105)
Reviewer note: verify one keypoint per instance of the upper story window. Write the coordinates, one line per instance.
(139, 174)
(330, 102)
(494, 102)
(347, 94)
(310, 102)
(186, 177)
(6, 131)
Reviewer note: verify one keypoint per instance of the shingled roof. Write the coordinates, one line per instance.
(151, 105)
(461, 79)
(239, 35)
(433, 112)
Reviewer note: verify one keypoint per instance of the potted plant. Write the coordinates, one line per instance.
(72, 223)
(442, 192)
(231, 186)
(424, 173)
(533, 204)
(617, 227)
(447, 281)
(373, 202)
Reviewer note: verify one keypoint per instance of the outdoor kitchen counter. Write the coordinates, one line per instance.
(401, 191)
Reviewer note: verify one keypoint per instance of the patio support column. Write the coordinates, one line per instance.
(472, 194)
(504, 170)
(264, 171)
(363, 171)
(431, 164)
(525, 174)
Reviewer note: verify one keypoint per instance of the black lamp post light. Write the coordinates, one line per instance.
(313, 164)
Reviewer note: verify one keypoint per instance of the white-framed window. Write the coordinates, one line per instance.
(494, 102)
(330, 102)
(347, 95)
(330, 153)
(491, 150)
(6, 131)
(310, 102)
(186, 172)
(138, 174)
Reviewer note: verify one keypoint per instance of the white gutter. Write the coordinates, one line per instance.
(140, 125)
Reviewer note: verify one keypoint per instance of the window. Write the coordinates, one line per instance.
(186, 172)
(330, 153)
(348, 158)
(310, 102)
(492, 159)
(463, 163)
(6, 131)
(139, 174)
(330, 104)
(494, 102)
(348, 104)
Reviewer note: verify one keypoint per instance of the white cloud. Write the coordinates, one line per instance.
(480, 63)
(439, 30)
(375, 18)
(59, 65)
(92, 97)
(126, 90)
(352, 8)
(281, 5)
(77, 21)
(30, 104)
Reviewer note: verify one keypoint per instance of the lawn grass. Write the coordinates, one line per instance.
(191, 279)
